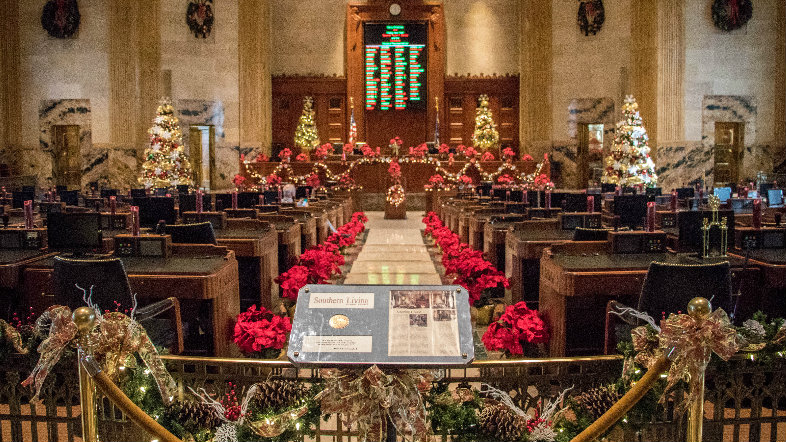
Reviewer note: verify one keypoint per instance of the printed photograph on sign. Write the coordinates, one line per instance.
(423, 323)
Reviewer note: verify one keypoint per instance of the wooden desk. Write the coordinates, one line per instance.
(477, 224)
(204, 279)
(494, 233)
(772, 263)
(574, 289)
(255, 244)
(308, 226)
(289, 247)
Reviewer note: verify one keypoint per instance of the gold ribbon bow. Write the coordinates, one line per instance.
(645, 343)
(114, 338)
(693, 341)
(367, 400)
(12, 335)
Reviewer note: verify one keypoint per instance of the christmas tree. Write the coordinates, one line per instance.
(165, 161)
(629, 163)
(486, 135)
(306, 136)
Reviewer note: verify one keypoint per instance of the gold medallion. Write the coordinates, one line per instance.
(339, 321)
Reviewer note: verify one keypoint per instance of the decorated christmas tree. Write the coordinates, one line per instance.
(306, 137)
(486, 135)
(629, 163)
(165, 162)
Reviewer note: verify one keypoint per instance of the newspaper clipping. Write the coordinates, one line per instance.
(423, 323)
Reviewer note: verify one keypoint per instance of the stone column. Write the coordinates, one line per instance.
(780, 84)
(644, 63)
(671, 69)
(122, 39)
(254, 82)
(535, 59)
(10, 59)
(149, 64)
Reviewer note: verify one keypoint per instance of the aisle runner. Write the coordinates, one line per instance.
(394, 253)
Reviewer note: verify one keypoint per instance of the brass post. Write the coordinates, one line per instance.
(84, 318)
(698, 308)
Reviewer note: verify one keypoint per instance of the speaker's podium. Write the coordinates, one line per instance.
(384, 325)
(395, 204)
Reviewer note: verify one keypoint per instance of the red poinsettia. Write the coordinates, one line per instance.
(527, 157)
(262, 158)
(518, 327)
(273, 180)
(470, 152)
(542, 181)
(292, 281)
(258, 330)
(443, 148)
(368, 152)
(505, 179)
(464, 179)
(487, 156)
(436, 179)
(394, 170)
(322, 263)
(239, 181)
(302, 157)
(508, 153)
(419, 151)
(313, 180)
(348, 148)
(396, 140)
(285, 154)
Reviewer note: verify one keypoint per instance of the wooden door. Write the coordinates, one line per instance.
(67, 164)
(727, 152)
(195, 153)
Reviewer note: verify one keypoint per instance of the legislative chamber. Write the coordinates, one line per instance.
(393, 220)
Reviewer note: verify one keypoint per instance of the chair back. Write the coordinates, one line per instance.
(669, 287)
(584, 234)
(196, 233)
(106, 276)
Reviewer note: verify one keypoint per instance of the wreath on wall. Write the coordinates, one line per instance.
(591, 16)
(199, 17)
(60, 18)
(729, 15)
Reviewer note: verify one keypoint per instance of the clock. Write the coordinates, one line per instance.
(395, 9)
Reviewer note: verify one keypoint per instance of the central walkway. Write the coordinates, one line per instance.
(394, 253)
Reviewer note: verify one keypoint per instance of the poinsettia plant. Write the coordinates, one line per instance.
(419, 151)
(368, 152)
(348, 148)
(313, 180)
(239, 181)
(487, 156)
(465, 180)
(518, 331)
(505, 179)
(527, 157)
(323, 151)
(302, 156)
(285, 154)
(273, 180)
(508, 153)
(443, 148)
(260, 333)
(470, 152)
(394, 170)
(262, 158)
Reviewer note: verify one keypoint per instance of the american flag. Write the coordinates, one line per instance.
(353, 127)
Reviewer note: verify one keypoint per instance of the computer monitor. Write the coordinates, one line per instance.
(74, 232)
(245, 200)
(302, 192)
(19, 198)
(187, 202)
(271, 197)
(775, 197)
(571, 202)
(753, 194)
(154, 209)
(685, 192)
(106, 193)
(138, 193)
(723, 193)
(689, 224)
(632, 209)
(70, 197)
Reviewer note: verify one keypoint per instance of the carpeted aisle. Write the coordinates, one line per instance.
(394, 253)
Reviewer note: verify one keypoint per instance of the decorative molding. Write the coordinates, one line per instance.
(481, 76)
(308, 76)
(255, 86)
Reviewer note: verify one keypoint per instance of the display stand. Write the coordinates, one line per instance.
(396, 326)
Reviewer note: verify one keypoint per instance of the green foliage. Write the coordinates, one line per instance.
(451, 417)
(308, 423)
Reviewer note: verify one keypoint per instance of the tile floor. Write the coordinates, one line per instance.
(394, 253)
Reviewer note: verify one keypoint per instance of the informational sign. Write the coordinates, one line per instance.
(385, 325)
(395, 66)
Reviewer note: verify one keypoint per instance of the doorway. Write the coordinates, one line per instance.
(67, 158)
(727, 152)
(589, 155)
(202, 154)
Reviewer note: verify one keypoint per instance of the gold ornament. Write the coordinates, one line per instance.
(699, 307)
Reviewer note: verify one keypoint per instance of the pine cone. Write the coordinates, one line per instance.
(193, 416)
(502, 423)
(277, 394)
(598, 400)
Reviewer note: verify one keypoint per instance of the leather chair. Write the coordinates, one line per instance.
(196, 233)
(667, 289)
(109, 282)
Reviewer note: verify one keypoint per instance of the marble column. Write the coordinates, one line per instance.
(149, 67)
(535, 60)
(10, 59)
(644, 63)
(123, 109)
(671, 68)
(780, 84)
(255, 86)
